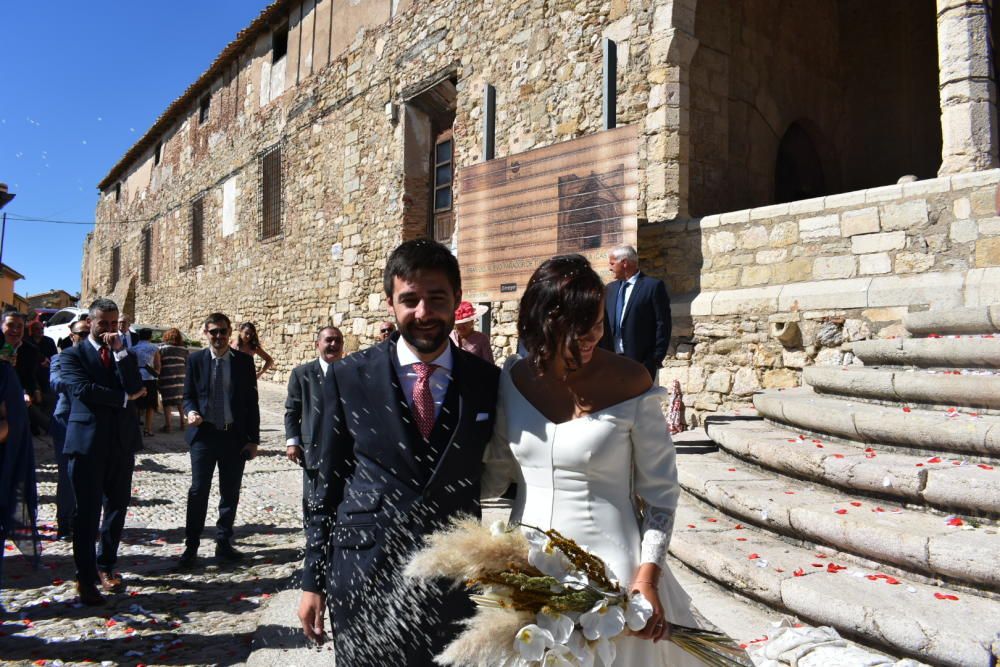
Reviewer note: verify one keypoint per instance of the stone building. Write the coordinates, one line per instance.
(809, 172)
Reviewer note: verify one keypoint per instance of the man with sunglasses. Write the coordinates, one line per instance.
(385, 330)
(223, 417)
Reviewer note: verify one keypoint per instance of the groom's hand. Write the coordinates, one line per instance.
(311, 609)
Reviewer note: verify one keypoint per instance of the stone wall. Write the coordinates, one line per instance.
(342, 150)
(761, 293)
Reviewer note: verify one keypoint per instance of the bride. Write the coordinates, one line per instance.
(581, 432)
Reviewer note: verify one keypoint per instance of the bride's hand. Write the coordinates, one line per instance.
(657, 627)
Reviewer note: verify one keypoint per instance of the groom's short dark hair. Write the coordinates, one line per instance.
(421, 255)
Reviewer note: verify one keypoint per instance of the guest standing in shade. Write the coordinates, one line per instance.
(465, 335)
(248, 343)
(385, 330)
(173, 359)
(148, 358)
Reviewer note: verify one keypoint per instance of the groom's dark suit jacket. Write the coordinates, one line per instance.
(382, 489)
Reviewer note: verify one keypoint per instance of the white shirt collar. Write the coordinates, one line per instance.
(224, 355)
(323, 365)
(407, 357)
(635, 277)
(97, 346)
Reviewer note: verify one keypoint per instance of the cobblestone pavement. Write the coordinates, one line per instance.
(206, 615)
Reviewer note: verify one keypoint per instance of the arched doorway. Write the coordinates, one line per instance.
(798, 168)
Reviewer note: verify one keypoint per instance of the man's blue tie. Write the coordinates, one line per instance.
(217, 406)
(620, 307)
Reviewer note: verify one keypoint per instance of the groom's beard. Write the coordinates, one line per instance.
(428, 336)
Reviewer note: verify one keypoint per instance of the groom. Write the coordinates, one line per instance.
(404, 428)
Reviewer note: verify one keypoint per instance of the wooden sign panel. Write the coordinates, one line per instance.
(579, 196)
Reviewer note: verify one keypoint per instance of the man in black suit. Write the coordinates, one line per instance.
(223, 416)
(304, 409)
(28, 360)
(405, 425)
(102, 435)
(637, 312)
(124, 326)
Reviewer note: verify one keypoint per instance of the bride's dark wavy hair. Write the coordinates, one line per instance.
(562, 301)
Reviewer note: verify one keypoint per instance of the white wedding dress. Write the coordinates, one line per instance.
(580, 477)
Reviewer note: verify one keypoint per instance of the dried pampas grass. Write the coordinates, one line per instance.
(488, 639)
(466, 549)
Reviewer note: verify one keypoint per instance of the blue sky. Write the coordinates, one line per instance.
(81, 83)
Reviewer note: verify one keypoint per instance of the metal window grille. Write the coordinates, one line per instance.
(197, 231)
(116, 265)
(147, 255)
(270, 193)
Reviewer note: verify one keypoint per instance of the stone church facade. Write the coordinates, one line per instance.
(809, 172)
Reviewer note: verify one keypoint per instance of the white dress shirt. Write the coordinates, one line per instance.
(118, 356)
(405, 359)
(619, 344)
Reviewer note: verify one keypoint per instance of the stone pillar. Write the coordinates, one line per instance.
(668, 124)
(968, 96)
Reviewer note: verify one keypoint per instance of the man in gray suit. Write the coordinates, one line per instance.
(304, 409)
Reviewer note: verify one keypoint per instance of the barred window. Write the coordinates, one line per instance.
(116, 265)
(147, 255)
(197, 232)
(270, 193)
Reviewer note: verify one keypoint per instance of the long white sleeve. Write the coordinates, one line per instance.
(655, 475)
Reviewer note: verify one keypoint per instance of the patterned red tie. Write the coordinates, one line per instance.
(423, 401)
(106, 357)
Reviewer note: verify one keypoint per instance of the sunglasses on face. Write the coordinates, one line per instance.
(386, 330)
(218, 332)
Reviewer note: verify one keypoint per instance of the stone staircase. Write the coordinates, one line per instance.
(868, 500)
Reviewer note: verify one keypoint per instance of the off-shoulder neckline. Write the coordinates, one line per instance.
(510, 380)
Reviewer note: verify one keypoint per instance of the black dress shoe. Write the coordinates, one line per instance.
(189, 556)
(89, 595)
(225, 551)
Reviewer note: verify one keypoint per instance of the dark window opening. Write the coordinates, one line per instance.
(197, 232)
(798, 171)
(118, 191)
(270, 193)
(203, 107)
(157, 153)
(147, 255)
(116, 265)
(279, 42)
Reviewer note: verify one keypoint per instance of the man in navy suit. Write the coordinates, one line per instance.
(304, 409)
(102, 436)
(637, 312)
(405, 424)
(223, 416)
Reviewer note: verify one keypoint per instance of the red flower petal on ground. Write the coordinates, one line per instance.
(906, 409)
(871, 577)
(789, 493)
(816, 564)
(791, 440)
(955, 521)
(753, 556)
(945, 596)
(838, 456)
(57, 582)
(934, 459)
(741, 539)
(919, 465)
(799, 572)
(731, 469)
(691, 525)
(833, 568)
(856, 503)
(984, 466)
(891, 580)
(111, 623)
(840, 511)
(738, 526)
(712, 520)
(819, 446)
(778, 569)
(820, 555)
(878, 509)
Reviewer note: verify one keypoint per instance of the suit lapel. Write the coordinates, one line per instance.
(92, 358)
(633, 293)
(455, 422)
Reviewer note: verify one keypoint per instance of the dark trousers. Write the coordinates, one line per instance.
(309, 479)
(65, 503)
(100, 480)
(211, 449)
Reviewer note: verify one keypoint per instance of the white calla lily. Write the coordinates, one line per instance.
(559, 656)
(559, 625)
(607, 650)
(531, 642)
(549, 560)
(637, 611)
(581, 649)
(603, 621)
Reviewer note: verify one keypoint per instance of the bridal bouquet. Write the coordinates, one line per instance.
(542, 600)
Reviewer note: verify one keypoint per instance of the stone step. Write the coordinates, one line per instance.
(919, 541)
(950, 485)
(950, 352)
(934, 431)
(980, 320)
(901, 617)
(979, 389)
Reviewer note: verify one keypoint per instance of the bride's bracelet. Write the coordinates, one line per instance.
(643, 581)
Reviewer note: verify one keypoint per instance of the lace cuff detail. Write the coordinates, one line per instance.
(657, 526)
